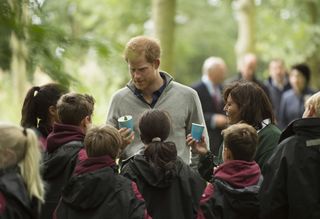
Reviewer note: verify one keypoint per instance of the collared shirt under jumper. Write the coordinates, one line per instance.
(180, 101)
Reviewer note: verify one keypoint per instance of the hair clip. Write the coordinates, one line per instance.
(36, 91)
(156, 139)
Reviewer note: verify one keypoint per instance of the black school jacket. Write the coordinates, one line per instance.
(99, 192)
(177, 197)
(15, 202)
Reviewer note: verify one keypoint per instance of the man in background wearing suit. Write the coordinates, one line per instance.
(209, 89)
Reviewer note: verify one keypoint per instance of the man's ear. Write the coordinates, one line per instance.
(156, 63)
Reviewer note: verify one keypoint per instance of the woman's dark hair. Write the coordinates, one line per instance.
(254, 104)
(37, 102)
(304, 70)
(155, 126)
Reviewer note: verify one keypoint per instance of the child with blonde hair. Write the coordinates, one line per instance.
(21, 187)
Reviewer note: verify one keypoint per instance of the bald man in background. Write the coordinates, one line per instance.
(247, 71)
(209, 89)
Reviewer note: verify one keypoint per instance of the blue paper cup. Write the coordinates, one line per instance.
(125, 122)
(196, 131)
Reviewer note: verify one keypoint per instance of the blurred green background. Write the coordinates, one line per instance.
(80, 43)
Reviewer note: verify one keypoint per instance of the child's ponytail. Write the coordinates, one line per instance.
(30, 165)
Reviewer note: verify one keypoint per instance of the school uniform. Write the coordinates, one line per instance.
(97, 191)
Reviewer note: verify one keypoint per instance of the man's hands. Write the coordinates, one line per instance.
(127, 137)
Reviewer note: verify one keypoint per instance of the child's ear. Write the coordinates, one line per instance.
(230, 155)
(86, 123)
(227, 154)
(53, 113)
(52, 110)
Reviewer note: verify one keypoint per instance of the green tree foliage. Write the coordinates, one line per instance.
(204, 28)
(80, 42)
(287, 29)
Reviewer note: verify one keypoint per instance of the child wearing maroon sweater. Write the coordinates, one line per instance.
(233, 190)
(63, 145)
(96, 190)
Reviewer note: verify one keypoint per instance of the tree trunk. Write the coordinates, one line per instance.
(314, 59)
(164, 23)
(245, 15)
(19, 49)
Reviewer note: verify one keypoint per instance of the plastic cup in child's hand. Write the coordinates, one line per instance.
(125, 122)
(196, 131)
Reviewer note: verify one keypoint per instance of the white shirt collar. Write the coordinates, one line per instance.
(264, 124)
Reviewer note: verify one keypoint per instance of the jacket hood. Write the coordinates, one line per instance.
(61, 161)
(238, 173)
(92, 164)
(62, 134)
(89, 190)
(238, 182)
(12, 183)
(152, 176)
(307, 127)
(91, 183)
(244, 201)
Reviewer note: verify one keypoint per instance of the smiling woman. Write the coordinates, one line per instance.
(247, 103)
(232, 111)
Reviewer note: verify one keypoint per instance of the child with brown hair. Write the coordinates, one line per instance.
(63, 145)
(96, 190)
(233, 191)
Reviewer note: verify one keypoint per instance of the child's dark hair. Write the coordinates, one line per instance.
(155, 126)
(104, 140)
(37, 102)
(73, 108)
(242, 140)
